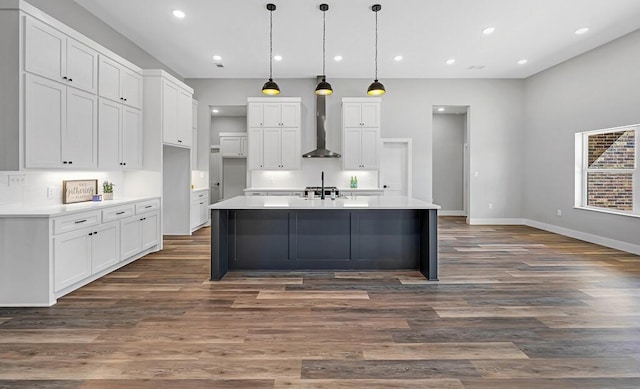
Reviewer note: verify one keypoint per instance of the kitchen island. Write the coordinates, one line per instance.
(294, 233)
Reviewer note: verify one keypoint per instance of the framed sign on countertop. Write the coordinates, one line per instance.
(77, 191)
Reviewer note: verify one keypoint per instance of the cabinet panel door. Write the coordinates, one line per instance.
(254, 115)
(109, 79)
(80, 138)
(244, 146)
(370, 114)
(184, 118)
(230, 146)
(82, 66)
(271, 114)
(369, 148)
(290, 116)
(170, 113)
(195, 214)
(290, 148)
(149, 230)
(71, 258)
(271, 157)
(351, 115)
(255, 159)
(44, 50)
(130, 237)
(131, 88)
(45, 120)
(105, 246)
(351, 149)
(203, 209)
(110, 119)
(131, 145)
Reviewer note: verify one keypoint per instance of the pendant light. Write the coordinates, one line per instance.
(324, 88)
(376, 88)
(270, 87)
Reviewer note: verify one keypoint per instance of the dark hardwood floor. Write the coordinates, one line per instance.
(515, 307)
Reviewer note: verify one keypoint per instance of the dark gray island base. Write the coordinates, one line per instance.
(324, 239)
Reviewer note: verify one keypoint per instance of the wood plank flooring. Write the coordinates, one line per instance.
(515, 307)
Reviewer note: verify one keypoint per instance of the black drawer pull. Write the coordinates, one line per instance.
(149, 206)
(80, 221)
(120, 213)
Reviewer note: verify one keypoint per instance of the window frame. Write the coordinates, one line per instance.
(582, 170)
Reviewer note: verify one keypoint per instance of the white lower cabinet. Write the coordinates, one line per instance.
(199, 209)
(89, 243)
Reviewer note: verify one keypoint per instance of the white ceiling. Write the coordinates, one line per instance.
(425, 32)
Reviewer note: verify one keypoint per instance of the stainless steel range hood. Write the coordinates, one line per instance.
(321, 131)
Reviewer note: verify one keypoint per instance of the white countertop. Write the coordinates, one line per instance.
(51, 210)
(294, 202)
(302, 190)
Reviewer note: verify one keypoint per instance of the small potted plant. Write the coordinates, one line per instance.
(107, 190)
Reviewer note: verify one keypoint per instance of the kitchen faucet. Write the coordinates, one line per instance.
(322, 190)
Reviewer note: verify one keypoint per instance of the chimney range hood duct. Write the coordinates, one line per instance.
(321, 131)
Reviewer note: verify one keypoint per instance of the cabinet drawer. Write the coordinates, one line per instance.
(75, 222)
(116, 213)
(199, 195)
(146, 206)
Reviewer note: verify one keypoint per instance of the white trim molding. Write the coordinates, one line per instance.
(495, 221)
(451, 213)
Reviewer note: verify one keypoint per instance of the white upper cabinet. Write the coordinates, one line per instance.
(60, 125)
(52, 54)
(120, 136)
(274, 133)
(176, 114)
(233, 145)
(119, 83)
(361, 133)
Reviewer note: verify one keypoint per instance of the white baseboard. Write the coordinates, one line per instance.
(495, 221)
(599, 240)
(451, 213)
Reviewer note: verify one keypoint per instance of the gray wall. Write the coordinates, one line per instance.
(496, 126)
(448, 157)
(598, 89)
(83, 21)
(226, 124)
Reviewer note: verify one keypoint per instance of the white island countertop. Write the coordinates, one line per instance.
(294, 202)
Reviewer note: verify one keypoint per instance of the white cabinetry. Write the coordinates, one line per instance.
(52, 54)
(176, 113)
(233, 145)
(199, 208)
(139, 233)
(60, 125)
(119, 83)
(50, 79)
(120, 136)
(274, 133)
(361, 133)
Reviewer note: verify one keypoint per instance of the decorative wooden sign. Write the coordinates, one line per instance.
(77, 191)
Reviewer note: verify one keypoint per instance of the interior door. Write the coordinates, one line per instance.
(214, 176)
(394, 168)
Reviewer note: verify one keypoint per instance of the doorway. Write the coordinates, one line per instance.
(450, 159)
(227, 176)
(395, 166)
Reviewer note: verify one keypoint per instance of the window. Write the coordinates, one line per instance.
(607, 177)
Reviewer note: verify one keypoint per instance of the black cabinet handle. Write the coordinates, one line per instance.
(64, 78)
(179, 141)
(80, 221)
(70, 162)
(119, 213)
(71, 80)
(149, 206)
(124, 163)
(64, 162)
(125, 99)
(95, 233)
(91, 233)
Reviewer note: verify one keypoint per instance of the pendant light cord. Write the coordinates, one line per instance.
(376, 78)
(324, 28)
(270, 45)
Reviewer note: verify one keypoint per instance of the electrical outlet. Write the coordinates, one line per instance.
(559, 212)
(490, 205)
(16, 179)
(51, 191)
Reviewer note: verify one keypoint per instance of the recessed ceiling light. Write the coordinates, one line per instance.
(488, 30)
(397, 58)
(277, 58)
(215, 111)
(451, 61)
(337, 58)
(523, 61)
(441, 109)
(582, 31)
(217, 58)
(179, 14)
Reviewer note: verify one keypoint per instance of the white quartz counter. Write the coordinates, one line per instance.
(51, 210)
(294, 202)
(286, 190)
